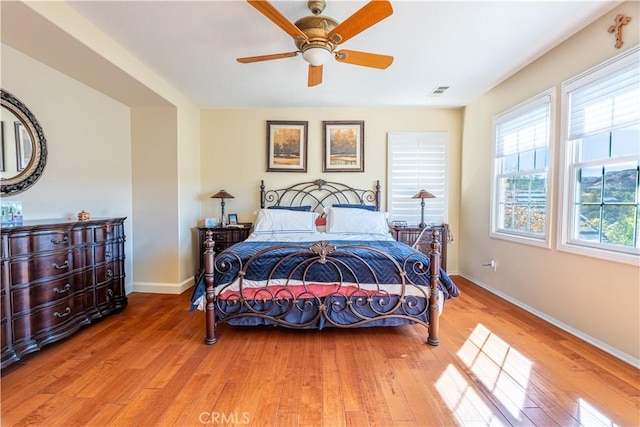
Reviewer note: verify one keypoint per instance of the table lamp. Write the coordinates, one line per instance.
(423, 194)
(222, 194)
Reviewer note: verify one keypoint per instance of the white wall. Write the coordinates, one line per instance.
(596, 299)
(89, 163)
(234, 147)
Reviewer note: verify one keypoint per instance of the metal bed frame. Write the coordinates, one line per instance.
(363, 304)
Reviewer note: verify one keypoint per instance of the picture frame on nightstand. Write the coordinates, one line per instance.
(233, 219)
(211, 222)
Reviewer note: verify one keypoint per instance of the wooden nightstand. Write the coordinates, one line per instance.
(223, 238)
(409, 235)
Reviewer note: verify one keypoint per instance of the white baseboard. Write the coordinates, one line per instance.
(573, 331)
(163, 288)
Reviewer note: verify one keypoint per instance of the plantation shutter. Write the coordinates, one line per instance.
(417, 161)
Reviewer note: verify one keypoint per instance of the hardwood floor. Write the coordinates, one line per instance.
(148, 366)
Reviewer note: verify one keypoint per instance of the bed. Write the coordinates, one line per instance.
(321, 255)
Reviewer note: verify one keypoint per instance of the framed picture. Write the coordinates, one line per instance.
(233, 219)
(23, 145)
(1, 146)
(286, 146)
(343, 146)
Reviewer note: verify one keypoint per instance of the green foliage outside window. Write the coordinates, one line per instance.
(607, 204)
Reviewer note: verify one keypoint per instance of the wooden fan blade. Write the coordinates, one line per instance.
(250, 59)
(370, 14)
(364, 59)
(315, 75)
(277, 18)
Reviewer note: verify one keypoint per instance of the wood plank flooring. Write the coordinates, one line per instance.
(148, 366)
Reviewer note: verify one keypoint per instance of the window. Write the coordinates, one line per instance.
(601, 128)
(417, 161)
(520, 194)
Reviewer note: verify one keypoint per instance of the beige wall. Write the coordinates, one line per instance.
(155, 183)
(570, 290)
(234, 150)
(88, 164)
(131, 141)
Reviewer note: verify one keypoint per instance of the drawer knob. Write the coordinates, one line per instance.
(109, 273)
(58, 242)
(67, 311)
(65, 289)
(60, 267)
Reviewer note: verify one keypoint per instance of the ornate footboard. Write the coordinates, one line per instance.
(323, 284)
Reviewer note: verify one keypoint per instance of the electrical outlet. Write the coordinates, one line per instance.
(491, 264)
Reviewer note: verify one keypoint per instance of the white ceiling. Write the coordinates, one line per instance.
(469, 46)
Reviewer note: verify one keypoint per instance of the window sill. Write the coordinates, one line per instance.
(604, 254)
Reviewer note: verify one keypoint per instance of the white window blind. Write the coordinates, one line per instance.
(520, 205)
(417, 161)
(607, 103)
(524, 131)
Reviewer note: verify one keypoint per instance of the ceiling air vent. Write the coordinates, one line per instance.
(439, 90)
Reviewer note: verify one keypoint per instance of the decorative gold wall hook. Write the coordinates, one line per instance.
(617, 28)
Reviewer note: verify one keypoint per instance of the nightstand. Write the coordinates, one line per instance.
(406, 235)
(409, 235)
(223, 237)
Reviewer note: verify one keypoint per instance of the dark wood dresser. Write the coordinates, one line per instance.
(56, 277)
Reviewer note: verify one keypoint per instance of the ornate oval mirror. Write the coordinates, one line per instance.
(23, 147)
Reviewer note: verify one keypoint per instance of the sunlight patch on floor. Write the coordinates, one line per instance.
(503, 370)
(465, 403)
(590, 416)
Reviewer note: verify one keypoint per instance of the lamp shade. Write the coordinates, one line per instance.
(423, 194)
(222, 194)
(316, 56)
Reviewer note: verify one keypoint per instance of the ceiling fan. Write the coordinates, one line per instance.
(317, 36)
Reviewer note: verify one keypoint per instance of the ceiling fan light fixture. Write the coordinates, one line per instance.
(316, 56)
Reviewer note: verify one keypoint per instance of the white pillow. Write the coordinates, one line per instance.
(285, 221)
(356, 221)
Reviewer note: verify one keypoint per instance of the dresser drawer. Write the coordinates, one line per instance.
(68, 312)
(107, 272)
(4, 343)
(105, 252)
(31, 297)
(47, 241)
(29, 269)
(6, 353)
(3, 310)
(108, 232)
(106, 293)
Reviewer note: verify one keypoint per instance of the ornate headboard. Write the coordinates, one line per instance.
(319, 194)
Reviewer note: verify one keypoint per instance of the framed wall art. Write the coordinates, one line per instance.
(286, 146)
(1, 146)
(343, 144)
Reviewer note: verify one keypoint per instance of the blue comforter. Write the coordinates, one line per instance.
(368, 266)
